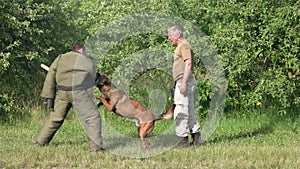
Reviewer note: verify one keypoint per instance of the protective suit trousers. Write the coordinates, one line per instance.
(86, 109)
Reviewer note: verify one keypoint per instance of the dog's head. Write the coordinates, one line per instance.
(102, 81)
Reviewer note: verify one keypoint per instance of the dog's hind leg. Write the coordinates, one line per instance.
(138, 129)
(137, 124)
(145, 129)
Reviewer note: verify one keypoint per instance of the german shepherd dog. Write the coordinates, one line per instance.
(121, 104)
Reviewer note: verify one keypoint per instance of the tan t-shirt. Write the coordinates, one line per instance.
(182, 52)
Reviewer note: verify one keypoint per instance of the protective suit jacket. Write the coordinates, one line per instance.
(69, 71)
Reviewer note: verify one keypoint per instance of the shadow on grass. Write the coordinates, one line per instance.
(56, 143)
(133, 147)
(127, 146)
(243, 134)
(163, 140)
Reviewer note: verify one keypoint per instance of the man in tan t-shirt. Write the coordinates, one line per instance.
(185, 85)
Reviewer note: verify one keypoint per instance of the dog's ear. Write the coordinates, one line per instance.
(106, 80)
(98, 77)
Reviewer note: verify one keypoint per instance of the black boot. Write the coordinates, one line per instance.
(40, 144)
(94, 147)
(197, 141)
(183, 142)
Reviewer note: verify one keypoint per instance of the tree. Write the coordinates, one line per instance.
(33, 32)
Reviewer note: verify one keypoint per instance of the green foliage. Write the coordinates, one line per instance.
(33, 32)
(256, 42)
(7, 105)
(260, 50)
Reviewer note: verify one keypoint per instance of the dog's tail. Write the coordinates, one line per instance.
(168, 114)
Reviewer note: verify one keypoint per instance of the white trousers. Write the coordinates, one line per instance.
(184, 114)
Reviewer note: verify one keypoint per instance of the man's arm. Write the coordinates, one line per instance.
(187, 71)
(187, 57)
(49, 87)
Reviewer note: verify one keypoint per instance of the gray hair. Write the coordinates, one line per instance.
(176, 30)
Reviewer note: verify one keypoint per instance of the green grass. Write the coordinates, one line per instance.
(261, 141)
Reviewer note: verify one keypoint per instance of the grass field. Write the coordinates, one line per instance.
(243, 141)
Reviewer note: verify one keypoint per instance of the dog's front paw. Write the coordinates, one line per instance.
(100, 104)
(98, 96)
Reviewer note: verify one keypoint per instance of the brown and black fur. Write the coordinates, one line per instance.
(121, 104)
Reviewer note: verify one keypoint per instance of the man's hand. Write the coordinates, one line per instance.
(49, 103)
(187, 71)
(182, 88)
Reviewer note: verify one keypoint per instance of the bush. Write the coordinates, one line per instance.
(256, 41)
